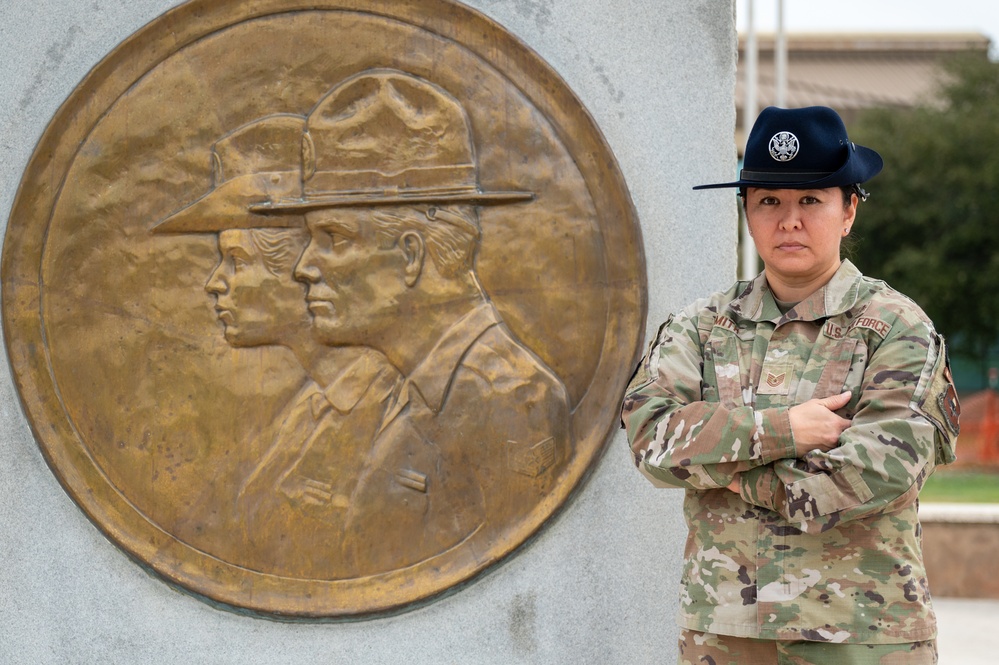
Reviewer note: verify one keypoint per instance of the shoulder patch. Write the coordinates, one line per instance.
(950, 406)
(937, 400)
(647, 367)
(659, 333)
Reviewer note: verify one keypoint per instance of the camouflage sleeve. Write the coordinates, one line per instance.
(906, 422)
(680, 440)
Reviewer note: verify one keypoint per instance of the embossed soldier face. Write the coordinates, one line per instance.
(257, 303)
(353, 284)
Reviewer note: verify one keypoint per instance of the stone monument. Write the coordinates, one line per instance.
(320, 311)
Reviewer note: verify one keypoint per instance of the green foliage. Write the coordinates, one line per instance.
(931, 226)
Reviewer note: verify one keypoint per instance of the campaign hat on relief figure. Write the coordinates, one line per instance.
(804, 148)
(386, 137)
(252, 164)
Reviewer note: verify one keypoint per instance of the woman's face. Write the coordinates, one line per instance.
(797, 232)
(256, 306)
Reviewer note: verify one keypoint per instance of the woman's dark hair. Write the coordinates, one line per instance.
(847, 191)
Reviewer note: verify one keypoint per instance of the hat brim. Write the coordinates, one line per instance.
(229, 206)
(862, 165)
(370, 200)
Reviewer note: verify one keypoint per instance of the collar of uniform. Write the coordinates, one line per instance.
(755, 302)
(433, 375)
(306, 396)
(839, 294)
(347, 389)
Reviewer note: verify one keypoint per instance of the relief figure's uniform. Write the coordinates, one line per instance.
(476, 438)
(294, 503)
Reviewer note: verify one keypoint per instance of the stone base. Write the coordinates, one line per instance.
(959, 546)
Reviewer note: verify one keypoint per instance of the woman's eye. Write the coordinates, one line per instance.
(769, 201)
(809, 200)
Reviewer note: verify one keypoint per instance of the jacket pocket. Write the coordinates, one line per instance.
(722, 364)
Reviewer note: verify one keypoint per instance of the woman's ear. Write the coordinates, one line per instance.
(850, 214)
(415, 250)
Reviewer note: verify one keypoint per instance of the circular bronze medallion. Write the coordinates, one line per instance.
(320, 308)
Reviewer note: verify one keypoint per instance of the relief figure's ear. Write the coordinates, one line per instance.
(415, 249)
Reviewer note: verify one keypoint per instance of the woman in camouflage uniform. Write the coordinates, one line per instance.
(802, 412)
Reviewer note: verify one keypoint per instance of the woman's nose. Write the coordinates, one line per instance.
(790, 218)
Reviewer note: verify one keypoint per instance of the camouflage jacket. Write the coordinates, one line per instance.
(826, 547)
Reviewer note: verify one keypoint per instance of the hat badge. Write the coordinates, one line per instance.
(784, 146)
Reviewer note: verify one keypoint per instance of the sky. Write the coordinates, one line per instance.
(980, 16)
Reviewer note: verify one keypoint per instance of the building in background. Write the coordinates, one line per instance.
(851, 72)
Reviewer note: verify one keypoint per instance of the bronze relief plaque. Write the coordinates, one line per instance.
(319, 309)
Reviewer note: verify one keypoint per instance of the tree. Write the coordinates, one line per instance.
(931, 226)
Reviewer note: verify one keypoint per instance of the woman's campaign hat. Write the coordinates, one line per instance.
(385, 137)
(804, 148)
(251, 164)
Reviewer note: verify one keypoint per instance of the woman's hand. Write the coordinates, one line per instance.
(814, 426)
(734, 486)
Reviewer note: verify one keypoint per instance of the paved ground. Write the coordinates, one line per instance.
(969, 631)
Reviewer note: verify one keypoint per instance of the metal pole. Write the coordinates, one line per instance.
(749, 263)
(751, 103)
(780, 59)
